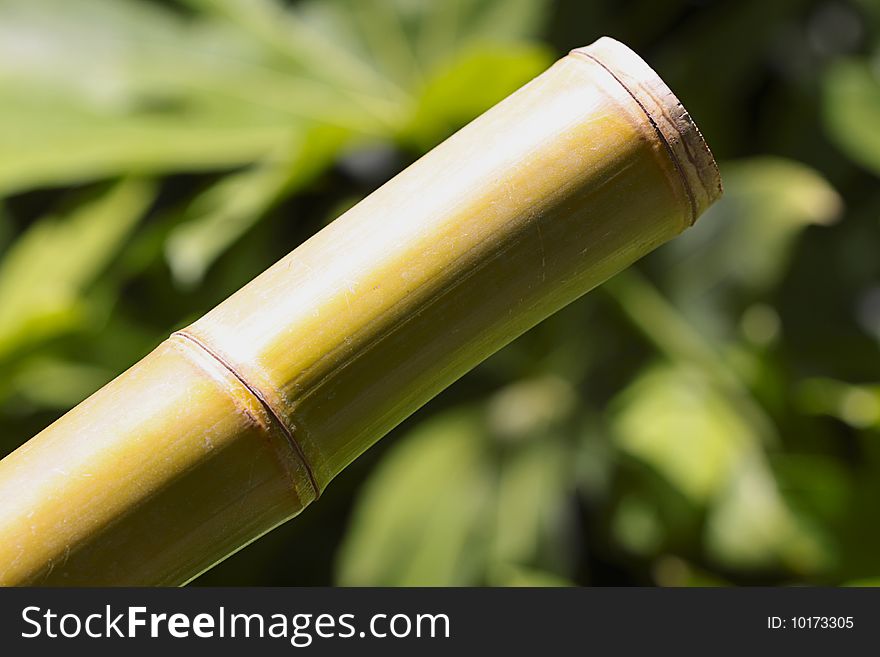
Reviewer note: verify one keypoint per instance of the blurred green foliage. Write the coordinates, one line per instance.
(709, 417)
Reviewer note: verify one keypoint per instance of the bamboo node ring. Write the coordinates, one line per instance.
(260, 397)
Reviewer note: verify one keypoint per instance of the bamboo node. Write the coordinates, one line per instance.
(260, 397)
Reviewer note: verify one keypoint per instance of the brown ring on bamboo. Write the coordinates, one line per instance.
(675, 129)
(260, 397)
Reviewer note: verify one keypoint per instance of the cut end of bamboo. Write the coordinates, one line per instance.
(685, 144)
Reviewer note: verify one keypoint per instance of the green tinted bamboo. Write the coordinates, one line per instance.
(236, 423)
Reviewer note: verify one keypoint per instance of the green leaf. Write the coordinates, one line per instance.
(397, 42)
(54, 383)
(419, 56)
(751, 527)
(743, 241)
(87, 146)
(94, 89)
(45, 272)
(471, 83)
(535, 475)
(674, 420)
(857, 405)
(678, 337)
(419, 519)
(531, 409)
(313, 37)
(529, 511)
(217, 217)
(851, 103)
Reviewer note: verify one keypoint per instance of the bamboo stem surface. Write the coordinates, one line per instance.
(240, 420)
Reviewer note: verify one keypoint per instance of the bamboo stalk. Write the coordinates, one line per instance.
(237, 422)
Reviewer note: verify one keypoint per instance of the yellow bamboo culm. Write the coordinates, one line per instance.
(236, 423)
